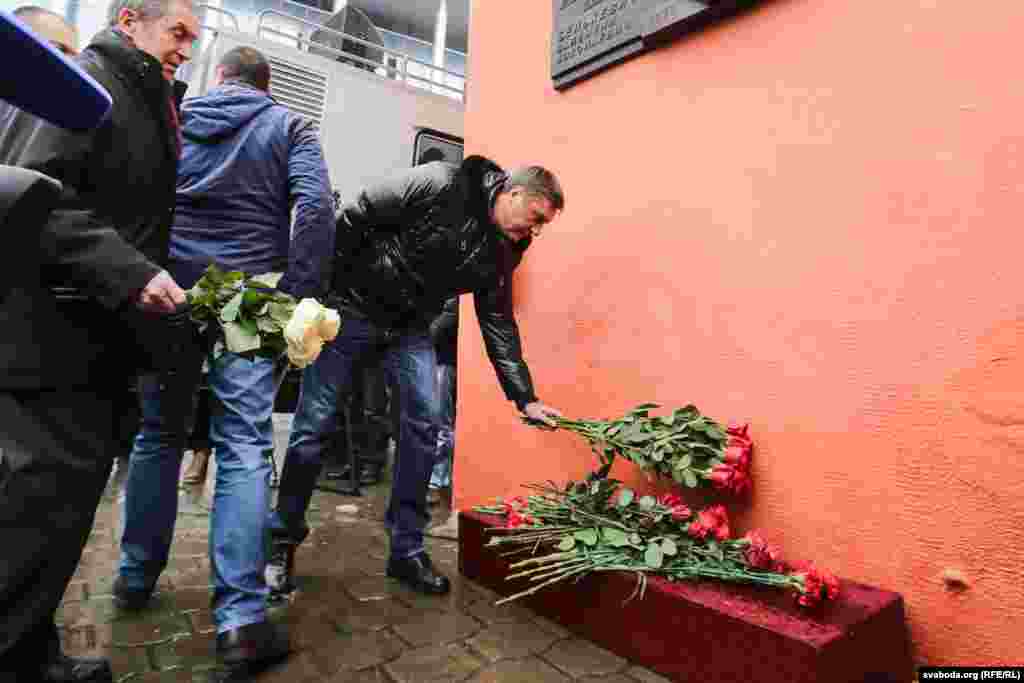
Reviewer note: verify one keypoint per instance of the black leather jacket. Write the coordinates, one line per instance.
(407, 244)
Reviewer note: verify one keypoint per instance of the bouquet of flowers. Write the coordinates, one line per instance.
(597, 525)
(248, 315)
(685, 446)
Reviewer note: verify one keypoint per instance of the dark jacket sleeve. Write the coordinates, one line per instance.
(386, 205)
(86, 246)
(501, 337)
(309, 190)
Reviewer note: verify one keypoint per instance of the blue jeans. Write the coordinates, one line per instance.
(241, 433)
(442, 474)
(409, 360)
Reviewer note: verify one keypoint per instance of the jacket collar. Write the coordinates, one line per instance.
(144, 71)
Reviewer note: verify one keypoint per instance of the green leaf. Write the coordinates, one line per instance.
(268, 324)
(268, 279)
(249, 325)
(641, 410)
(626, 497)
(690, 479)
(230, 310)
(716, 550)
(616, 538)
(635, 539)
(254, 299)
(568, 543)
(281, 312)
(653, 556)
(647, 502)
(684, 462)
(238, 339)
(588, 536)
(668, 546)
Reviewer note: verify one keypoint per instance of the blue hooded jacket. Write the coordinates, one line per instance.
(246, 161)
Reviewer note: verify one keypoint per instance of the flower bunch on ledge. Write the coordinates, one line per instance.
(684, 446)
(597, 525)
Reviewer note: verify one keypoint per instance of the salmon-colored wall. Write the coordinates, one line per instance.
(808, 217)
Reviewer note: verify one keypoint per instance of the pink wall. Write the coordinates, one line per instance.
(807, 217)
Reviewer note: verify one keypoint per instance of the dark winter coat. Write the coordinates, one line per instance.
(247, 160)
(407, 244)
(108, 236)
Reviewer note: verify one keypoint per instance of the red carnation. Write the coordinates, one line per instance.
(681, 512)
(670, 500)
(712, 521)
(760, 555)
(517, 503)
(739, 456)
(729, 478)
(514, 520)
(741, 482)
(738, 428)
(818, 584)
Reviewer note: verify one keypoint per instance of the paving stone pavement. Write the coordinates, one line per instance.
(348, 622)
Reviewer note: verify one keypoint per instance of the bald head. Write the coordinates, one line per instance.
(51, 27)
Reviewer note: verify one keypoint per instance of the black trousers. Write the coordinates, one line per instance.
(58, 447)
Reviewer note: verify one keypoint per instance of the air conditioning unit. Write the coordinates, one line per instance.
(353, 22)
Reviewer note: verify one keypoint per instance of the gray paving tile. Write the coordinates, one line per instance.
(580, 658)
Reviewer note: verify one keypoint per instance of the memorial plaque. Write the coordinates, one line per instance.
(591, 35)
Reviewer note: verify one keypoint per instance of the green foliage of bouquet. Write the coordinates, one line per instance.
(597, 525)
(247, 315)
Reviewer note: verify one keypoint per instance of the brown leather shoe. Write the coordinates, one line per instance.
(249, 649)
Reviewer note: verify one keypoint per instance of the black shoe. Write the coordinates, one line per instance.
(280, 569)
(61, 668)
(131, 599)
(418, 573)
(249, 649)
(369, 474)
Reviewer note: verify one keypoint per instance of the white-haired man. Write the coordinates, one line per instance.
(72, 335)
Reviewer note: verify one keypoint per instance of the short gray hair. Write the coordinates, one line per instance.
(147, 9)
(539, 182)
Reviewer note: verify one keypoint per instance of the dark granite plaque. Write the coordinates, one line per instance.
(591, 35)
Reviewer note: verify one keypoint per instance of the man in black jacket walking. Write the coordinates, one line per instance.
(403, 247)
(70, 333)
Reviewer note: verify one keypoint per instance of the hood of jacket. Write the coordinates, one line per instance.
(220, 113)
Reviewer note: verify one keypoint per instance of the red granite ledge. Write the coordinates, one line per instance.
(707, 631)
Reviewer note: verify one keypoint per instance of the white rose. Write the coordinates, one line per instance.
(330, 324)
(302, 333)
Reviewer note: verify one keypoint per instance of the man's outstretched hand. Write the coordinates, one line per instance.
(161, 295)
(541, 415)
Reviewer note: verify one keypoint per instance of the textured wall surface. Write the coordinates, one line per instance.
(807, 217)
